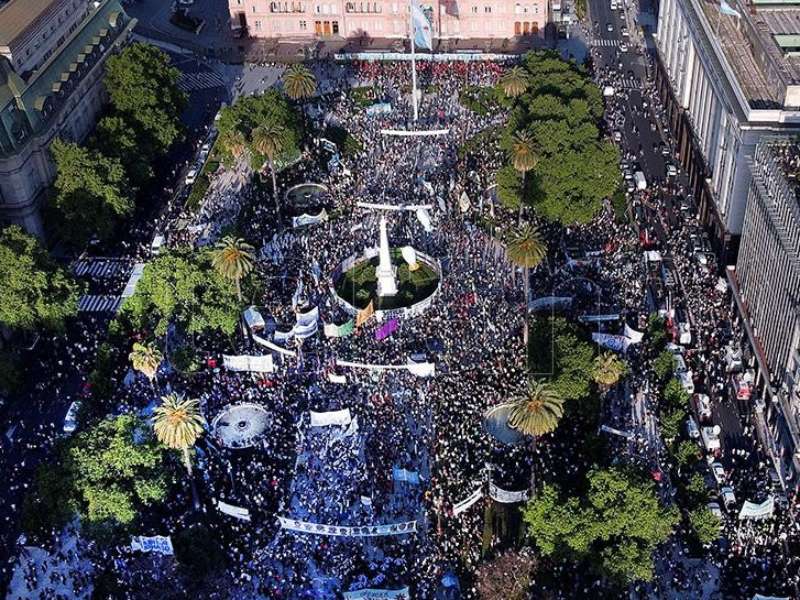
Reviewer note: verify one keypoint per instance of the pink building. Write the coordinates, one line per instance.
(340, 19)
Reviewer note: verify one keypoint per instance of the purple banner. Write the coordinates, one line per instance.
(386, 329)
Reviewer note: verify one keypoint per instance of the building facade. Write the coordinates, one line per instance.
(308, 20)
(767, 282)
(51, 65)
(726, 82)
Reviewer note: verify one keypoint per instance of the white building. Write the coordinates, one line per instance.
(727, 81)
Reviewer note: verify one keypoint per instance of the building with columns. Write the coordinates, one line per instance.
(51, 66)
(726, 82)
(310, 20)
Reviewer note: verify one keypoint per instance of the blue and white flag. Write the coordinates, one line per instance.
(422, 27)
(726, 9)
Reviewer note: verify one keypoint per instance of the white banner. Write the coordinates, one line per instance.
(634, 336)
(410, 133)
(424, 219)
(412, 207)
(282, 336)
(304, 219)
(469, 501)
(468, 56)
(154, 543)
(334, 417)
(505, 496)
(373, 594)
(550, 302)
(418, 369)
(255, 364)
(304, 331)
(334, 378)
(343, 531)
(234, 511)
(267, 344)
(751, 510)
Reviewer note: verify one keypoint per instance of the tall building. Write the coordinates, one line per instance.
(307, 20)
(728, 76)
(51, 65)
(766, 285)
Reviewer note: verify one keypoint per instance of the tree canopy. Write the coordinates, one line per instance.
(270, 110)
(92, 193)
(34, 290)
(615, 527)
(559, 352)
(182, 287)
(142, 86)
(575, 168)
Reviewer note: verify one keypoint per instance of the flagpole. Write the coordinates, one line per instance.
(413, 66)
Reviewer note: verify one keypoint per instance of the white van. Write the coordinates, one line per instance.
(710, 437)
(728, 498)
(641, 182)
(692, 429)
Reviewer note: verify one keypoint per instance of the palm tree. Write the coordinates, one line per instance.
(299, 82)
(234, 142)
(608, 369)
(178, 423)
(269, 140)
(146, 359)
(526, 249)
(538, 412)
(514, 83)
(233, 259)
(523, 158)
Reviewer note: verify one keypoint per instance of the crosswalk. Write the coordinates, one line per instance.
(101, 268)
(190, 82)
(605, 42)
(98, 304)
(631, 83)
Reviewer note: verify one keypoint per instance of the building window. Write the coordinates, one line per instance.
(474, 10)
(336, 28)
(303, 25)
(487, 9)
(258, 25)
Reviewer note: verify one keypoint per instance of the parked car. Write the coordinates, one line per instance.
(692, 429)
(719, 472)
(728, 498)
(702, 406)
(191, 176)
(710, 437)
(71, 419)
(687, 381)
(715, 510)
(672, 171)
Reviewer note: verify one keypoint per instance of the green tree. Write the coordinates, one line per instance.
(697, 490)
(537, 412)
(299, 82)
(146, 358)
(608, 369)
(514, 82)
(526, 249)
(268, 141)
(182, 287)
(615, 527)
(509, 187)
(523, 159)
(672, 423)
(233, 259)
(34, 291)
(706, 525)
(117, 138)
(664, 365)
(559, 351)
(143, 87)
(91, 192)
(655, 332)
(687, 454)
(270, 110)
(178, 424)
(115, 469)
(675, 396)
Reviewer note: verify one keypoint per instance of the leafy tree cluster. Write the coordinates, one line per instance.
(105, 474)
(614, 528)
(95, 184)
(271, 111)
(575, 168)
(34, 291)
(559, 351)
(183, 288)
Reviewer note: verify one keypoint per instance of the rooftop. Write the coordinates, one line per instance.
(17, 15)
(762, 47)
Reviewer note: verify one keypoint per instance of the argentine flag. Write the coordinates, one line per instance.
(422, 27)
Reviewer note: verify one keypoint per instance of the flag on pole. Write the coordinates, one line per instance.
(422, 27)
(727, 9)
(365, 313)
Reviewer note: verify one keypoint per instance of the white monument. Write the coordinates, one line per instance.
(387, 286)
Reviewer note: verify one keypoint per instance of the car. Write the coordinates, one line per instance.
(628, 175)
(623, 47)
(609, 27)
(665, 151)
(692, 429)
(191, 176)
(728, 498)
(710, 437)
(71, 419)
(680, 364)
(714, 508)
(674, 348)
(672, 171)
(617, 136)
(205, 148)
(702, 406)
(719, 472)
(687, 381)
(630, 187)
(185, 2)
(624, 31)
